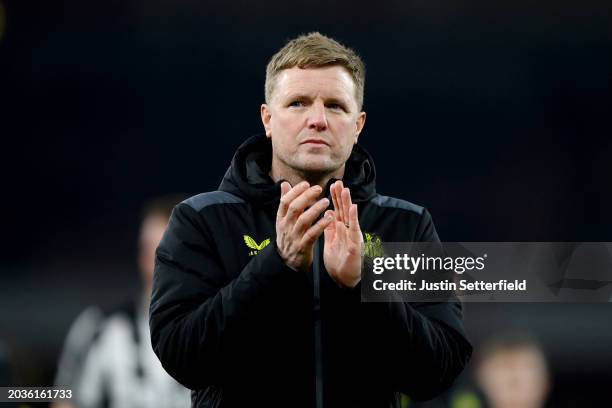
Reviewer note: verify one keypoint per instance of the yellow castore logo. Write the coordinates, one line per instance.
(253, 245)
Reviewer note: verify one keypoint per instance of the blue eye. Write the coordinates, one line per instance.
(335, 106)
(296, 104)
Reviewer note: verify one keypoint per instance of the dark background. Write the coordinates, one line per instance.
(493, 115)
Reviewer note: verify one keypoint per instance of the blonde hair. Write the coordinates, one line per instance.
(315, 50)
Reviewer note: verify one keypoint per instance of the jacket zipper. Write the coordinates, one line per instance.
(317, 323)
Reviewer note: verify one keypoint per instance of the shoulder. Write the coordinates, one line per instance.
(403, 220)
(402, 205)
(82, 343)
(203, 200)
(118, 330)
(84, 331)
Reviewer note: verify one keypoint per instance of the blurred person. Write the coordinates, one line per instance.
(107, 359)
(513, 373)
(257, 296)
(6, 379)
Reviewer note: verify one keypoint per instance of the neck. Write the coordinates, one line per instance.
(280, 172)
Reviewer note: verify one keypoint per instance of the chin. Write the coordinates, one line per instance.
(318, 167)
(313, 163)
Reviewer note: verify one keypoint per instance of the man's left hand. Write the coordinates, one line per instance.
(343, 239)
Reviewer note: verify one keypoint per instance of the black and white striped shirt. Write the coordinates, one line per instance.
(108, 362)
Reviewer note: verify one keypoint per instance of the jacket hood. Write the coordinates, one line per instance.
(248, 178)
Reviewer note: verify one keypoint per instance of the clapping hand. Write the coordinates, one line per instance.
(343, 239)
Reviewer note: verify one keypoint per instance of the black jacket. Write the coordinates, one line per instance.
(232, 322)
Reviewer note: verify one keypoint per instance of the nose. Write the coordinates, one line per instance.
(317, 119)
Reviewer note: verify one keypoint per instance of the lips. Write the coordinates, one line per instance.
(315, 141)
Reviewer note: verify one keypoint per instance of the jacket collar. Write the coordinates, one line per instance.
(248, 178)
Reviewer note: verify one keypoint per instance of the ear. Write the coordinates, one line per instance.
(266, 116)
(359, 123)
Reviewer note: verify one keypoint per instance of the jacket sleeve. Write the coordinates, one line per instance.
(428, 337)
(433, 352)
(195, 305)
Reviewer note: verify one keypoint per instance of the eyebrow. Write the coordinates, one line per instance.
(327, 100)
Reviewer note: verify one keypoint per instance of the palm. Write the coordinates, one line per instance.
(343, 245)
(342, 253)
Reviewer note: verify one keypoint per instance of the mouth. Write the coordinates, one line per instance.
(319, 142)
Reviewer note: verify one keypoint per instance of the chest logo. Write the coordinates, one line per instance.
(372, 246)
(254, 246)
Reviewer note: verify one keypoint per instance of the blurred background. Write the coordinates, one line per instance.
(496, 116)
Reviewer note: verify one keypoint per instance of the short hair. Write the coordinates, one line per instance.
(161, 206)
(512, 341)
(314, 50)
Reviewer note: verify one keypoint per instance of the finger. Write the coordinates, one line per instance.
(354, 228)
(316, 230)
(282, 209)
(346, 204)
(340, 233)
(342, 215)
(336, 201)
(341, 206)
(285, 187)
(330, 229)
(309, 216)
(289, 196)
(301, 202)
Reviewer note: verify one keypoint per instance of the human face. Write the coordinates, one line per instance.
(313, 121)
(151, 232)
(515, 379)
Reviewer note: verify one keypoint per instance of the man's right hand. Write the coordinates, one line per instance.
(295, 232)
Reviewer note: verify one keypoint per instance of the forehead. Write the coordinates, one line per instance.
(328, 82)
(517, 356)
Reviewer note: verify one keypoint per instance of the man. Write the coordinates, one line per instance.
(513, 372)
(107, 360)
(256, 295)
